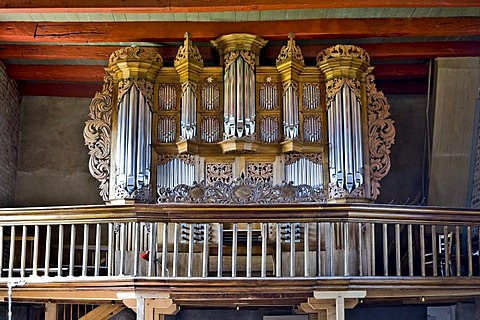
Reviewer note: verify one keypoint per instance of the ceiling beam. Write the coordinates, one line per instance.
(81, 73)
(215, 5)
(411, 50)
(58, 89)
(160, 32)
(80, 52)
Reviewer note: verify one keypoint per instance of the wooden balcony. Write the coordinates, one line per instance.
(224, 256)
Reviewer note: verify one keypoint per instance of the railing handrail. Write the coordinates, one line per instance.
(238, 213)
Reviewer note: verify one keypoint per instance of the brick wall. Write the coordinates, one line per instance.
(9, 128)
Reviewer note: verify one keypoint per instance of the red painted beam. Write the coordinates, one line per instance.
(411, 50)
(81, 73)
(56, 72)
(400, 71)
(215, 5)
(59, 89)
(377, 51)
(80, 32)
(79, 52)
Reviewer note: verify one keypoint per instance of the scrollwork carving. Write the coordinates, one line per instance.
(187, 51)
(144, 86)
(334, 85)
(381, 135)
(241, 191)
(231, 56)
(291, 50)
(336, 192)
(133, 54)
(186, 158)
(291, 158)
(340, 51)
(97, 136)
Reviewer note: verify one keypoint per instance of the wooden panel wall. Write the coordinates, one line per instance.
(456, 91)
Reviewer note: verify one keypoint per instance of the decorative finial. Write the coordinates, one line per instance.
(291, 51)
(188, 52)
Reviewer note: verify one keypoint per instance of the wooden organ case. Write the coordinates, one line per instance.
(233, 133)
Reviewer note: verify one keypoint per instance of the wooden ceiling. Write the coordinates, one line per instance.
(59, 47)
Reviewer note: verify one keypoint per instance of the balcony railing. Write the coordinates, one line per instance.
(215, 241)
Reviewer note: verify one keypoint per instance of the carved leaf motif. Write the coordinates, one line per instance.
(381, 135)
(241, 191)
(340, 50)
(97, 136)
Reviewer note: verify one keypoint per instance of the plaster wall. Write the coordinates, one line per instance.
(53, 160)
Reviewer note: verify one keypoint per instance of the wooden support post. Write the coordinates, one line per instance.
(331, 305)
(148, 306)
(50, 311)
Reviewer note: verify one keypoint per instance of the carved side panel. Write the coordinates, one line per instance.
(261, 172)
(97, 136)
(219, 172)
(381, 135)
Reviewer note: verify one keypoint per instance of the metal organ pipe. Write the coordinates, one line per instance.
(239, 114)
(133, 141)
(188, 114)
(344, 133)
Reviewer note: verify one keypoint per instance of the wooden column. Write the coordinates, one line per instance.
(148, 306)
(51, 311)
(331, 305)
(456, 90)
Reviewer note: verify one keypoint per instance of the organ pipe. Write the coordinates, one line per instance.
(345, 69)
(240, 55)
(133, 155)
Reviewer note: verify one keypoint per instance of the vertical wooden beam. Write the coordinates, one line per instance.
(51, 311)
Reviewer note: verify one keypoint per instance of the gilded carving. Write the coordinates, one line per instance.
(219, 172)
(97, 135)
(144, 86)
(231, 56)
(381, 135)
(184, 157)
(343, 51)
(335, 192)
(334, 85)
(291, 51)
(187, 52)
(260, 172)
(241, 191)
(134, 53)
(291, 158)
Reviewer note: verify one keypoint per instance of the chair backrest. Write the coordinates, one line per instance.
(442, 245)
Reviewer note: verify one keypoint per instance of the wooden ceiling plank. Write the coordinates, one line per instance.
(59, 89)
(412, 50)
(82, 73)
(215, 5)
(401, 50)
(79, 52)
(80, 32)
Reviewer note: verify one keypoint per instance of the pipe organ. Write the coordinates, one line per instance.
(239, 131)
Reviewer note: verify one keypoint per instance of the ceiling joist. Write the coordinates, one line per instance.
(160, 32)
(413, 50)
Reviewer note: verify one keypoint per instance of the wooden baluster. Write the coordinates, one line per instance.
(35, 250)
(85, 249)
(72, 250)
(306, 249)
(152, 249)
(220, 251)
(397, 250)
(385, 249)
(164, 249)
(24, 251)
(190, 250)
(422, 249)
(60, 250)
(205, 251)
(360, 248)
(175, 250)
(234, 249)
(292, 250)
(346, 251)
(278, 251)
(98, 237)
(447, 244)
(410, 251)
(319, 250)
(372, 249)
(111, 250)
(458, 251)
(469, 250)
(249, 250)
(434, 251)
(48, 242)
